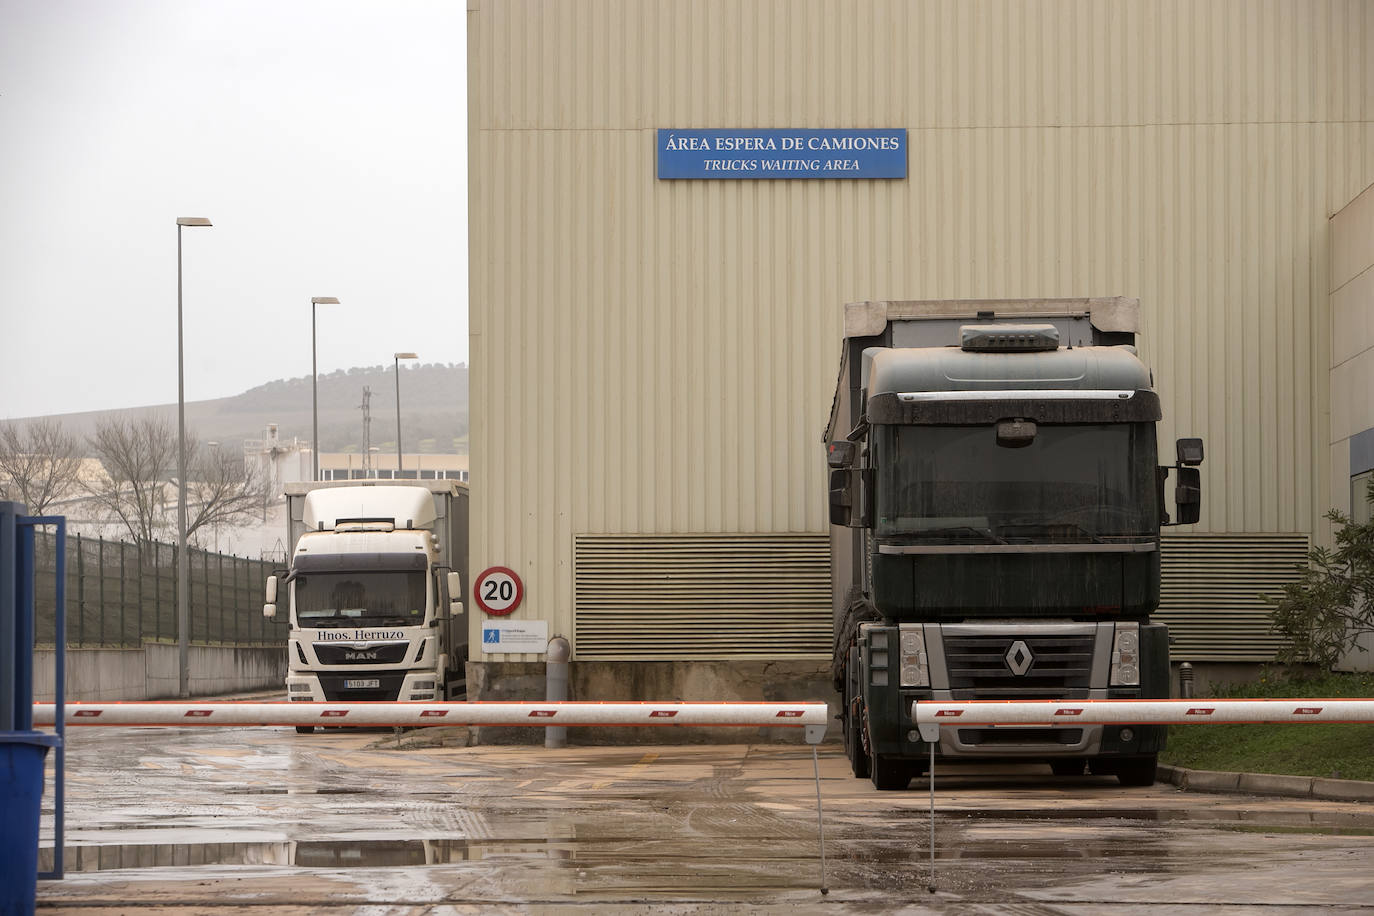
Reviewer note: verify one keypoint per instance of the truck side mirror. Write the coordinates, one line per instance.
(269, 609)
(1189, 452)
(851, 494)
(841, 497)
(1188, 495)
(840, 454)
(455, 594)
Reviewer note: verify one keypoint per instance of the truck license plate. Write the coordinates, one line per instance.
(362, 683)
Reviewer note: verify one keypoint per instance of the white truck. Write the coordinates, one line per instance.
(374, 591)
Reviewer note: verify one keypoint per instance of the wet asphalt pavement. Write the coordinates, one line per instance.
(202, 820)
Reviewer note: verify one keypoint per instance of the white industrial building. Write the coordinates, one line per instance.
(653, 358)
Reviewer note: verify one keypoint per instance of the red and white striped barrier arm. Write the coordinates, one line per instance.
(1141, 712)
(812, 716)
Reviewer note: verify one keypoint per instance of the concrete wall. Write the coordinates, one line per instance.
(152, 672)
(740, 681)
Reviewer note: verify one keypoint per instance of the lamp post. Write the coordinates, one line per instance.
(315, 387)
(183, 561)
(399, 357)
(218, 471)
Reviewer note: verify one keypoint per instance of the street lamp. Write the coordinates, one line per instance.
(315, 385)
(399, 357)
(183, 561)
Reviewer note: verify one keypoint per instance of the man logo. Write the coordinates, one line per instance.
(1019, 658)
(361, 656)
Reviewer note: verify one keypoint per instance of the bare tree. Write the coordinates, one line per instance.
(221, 489)
(39, 463)
(140, 485)
(138, 457)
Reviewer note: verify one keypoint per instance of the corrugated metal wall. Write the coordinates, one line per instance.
(679, 597)
(658, 357)
(1213, 590)
(1352, 344)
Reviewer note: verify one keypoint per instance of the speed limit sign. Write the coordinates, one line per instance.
(498, 591)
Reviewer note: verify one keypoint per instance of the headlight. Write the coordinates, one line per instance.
(1126, 655)
(915, 669)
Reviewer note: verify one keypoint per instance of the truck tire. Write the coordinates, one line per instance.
(1137, 771)
(1072, 766)
(889, 775)
(305, 729)
(854, 747)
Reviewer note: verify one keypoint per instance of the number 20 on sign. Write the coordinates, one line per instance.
(498, 591)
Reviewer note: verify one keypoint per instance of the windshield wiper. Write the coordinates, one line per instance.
(1049, 528)
(955, 531)
(377, 620)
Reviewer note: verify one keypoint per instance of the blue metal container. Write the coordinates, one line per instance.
(21, 795)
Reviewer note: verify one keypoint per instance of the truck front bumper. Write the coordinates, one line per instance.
(362, 686)
(1044, 742)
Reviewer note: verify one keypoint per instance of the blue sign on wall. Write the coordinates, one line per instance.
(752, 154)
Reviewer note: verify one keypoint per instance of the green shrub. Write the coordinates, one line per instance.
(1323, 613)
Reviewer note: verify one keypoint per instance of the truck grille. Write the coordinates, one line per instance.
(1013, 737)
(334, 654)
(1059, 666)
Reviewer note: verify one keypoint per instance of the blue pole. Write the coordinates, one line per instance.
(9, 512)
(21, 748)
(23, 629)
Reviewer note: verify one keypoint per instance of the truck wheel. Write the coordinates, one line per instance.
(854, 747)
(304, 729)
(1137, 771)
(889, 775)
(854, 717)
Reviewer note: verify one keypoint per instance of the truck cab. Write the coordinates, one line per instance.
(375, 608)
(996, 502)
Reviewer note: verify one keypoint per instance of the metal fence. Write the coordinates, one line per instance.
(121, 594)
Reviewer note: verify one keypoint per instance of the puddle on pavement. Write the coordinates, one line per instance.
(1328, 822)
(310, 790)
(986, 851)
(1320, 831)
(300, 853)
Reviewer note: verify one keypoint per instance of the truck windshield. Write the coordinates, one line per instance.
(373, 598)
(1074, 483)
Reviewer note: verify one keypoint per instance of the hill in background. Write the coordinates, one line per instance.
(434, 411)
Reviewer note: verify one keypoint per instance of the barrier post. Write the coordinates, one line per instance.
(556, 686)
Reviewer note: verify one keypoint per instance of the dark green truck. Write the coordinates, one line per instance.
(995, 507)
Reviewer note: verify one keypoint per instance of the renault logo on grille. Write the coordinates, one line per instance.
(1019, 658)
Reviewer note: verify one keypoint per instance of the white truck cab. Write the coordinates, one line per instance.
(375, 607)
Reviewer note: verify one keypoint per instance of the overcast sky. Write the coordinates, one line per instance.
(325, 140)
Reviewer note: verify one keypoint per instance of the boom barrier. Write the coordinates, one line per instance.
(929, 714)
(812, 717)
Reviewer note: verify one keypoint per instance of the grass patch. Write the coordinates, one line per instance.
(1340, 751)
